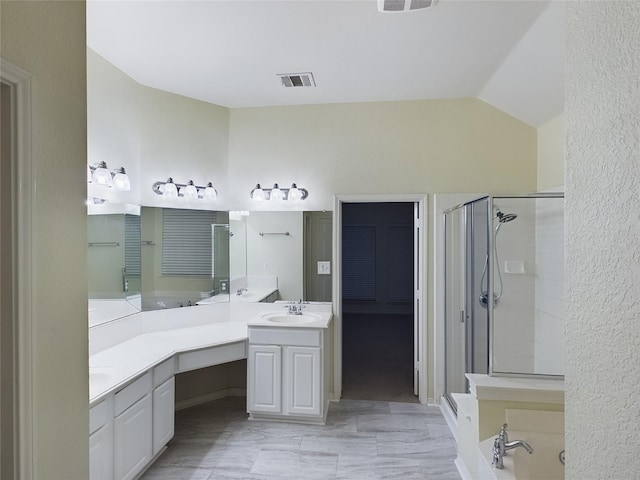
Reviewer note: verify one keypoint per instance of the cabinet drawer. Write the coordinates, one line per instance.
(164, 371)
(285, 336)
(211, 356)
(100, 414)
(132, 393)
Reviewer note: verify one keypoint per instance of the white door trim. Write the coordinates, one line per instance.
(23, 191)
(421, 199)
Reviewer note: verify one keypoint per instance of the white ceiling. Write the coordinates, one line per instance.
(507, 53)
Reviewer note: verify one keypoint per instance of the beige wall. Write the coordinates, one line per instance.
(551, 154)
(602, 240)
(429, 146)
(47, 39)
(154, 135)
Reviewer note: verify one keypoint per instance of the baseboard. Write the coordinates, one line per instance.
(217, 395)
(462, 469)
(450, 417)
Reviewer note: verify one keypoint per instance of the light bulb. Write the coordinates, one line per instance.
(189, 191)
(121, 180)
(210, 193)
(294, 193)
(170, 190)
(102, 176)
(258, 194)
(276, 193)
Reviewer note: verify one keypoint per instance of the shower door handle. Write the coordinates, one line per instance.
(462, 316)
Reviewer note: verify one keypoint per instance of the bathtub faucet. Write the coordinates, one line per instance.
(500, 448)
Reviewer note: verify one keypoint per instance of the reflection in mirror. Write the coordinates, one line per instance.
(289, 252)
(114, 261)
(185, 257)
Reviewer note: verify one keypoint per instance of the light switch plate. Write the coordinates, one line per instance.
(324, 268)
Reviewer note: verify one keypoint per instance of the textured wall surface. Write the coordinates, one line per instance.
(48, 40)
(603, 240)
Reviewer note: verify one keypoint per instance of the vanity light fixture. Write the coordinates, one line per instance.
(188, 191)
(99, 174)
(294, 193)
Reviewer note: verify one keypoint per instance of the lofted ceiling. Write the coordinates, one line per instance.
(509, 54)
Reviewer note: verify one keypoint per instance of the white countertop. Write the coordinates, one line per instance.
(137, 344)
(247, 296)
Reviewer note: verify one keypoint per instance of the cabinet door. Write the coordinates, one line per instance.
(163, 414)
(101, 453)
(303, 382)
(133, 446)
(265, 379)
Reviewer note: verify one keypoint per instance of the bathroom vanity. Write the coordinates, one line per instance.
(133, 363)
(288, 368)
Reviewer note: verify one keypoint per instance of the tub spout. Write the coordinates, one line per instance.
(518, 443)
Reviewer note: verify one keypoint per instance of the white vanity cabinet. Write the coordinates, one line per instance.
(130, 428)
(288, 374)
(101, 440)
(163, 404)
(133, 428)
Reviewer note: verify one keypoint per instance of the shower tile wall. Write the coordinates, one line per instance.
(529, 318)
(514, 319)
(549, 306)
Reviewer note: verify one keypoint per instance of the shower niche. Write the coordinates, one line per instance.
(504, 288)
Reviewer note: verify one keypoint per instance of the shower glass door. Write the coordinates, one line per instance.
(466, 271)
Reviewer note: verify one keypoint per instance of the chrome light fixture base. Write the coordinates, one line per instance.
(277, 193)
(189, 190)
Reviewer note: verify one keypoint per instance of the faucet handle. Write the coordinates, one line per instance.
(503, 435)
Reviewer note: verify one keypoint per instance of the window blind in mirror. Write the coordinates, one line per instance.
(186, 241)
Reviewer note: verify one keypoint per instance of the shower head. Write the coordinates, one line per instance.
(506, 217)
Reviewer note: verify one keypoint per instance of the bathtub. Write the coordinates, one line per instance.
(543, 464)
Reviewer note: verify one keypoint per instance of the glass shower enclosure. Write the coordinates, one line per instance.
(504, 288)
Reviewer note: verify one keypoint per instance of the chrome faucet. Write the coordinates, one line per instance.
(502, 444)
(295, 308)
(240, 290)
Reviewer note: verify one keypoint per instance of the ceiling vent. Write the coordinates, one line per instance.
(404, 5)
(297, 79)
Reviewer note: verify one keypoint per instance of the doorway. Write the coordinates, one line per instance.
(16, 193)
(378, 298)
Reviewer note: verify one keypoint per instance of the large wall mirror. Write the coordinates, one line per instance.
(185, 257)
(150, 258)
(114, 261)
(293, 248)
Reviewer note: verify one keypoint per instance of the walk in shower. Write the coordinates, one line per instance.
(504, 288)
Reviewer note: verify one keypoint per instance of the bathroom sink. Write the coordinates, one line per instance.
(100, 377)
(286, 319)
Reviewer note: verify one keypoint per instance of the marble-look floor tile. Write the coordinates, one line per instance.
(378, 468)
(296, 465)
(350, 444)
(439, 430)
(208, 456)
(366, 440)
(390, 423)
(176, 473)
(266, 439)
(414, 444)
(399, 408)
(359, 406)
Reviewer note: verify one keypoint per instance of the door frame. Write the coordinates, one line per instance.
(420, 337)
(22, 229)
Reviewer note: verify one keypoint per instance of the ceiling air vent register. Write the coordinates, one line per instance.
(297, 79)
(404, 5)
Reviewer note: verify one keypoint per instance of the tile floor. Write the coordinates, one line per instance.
(362, 439)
